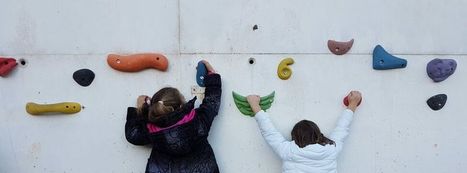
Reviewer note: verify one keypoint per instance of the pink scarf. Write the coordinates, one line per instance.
(187, 118)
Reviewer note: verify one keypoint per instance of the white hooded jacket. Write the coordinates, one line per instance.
(313, 158)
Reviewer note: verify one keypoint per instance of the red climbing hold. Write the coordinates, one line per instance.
(6, 66)
(346, 101)
(339, 48)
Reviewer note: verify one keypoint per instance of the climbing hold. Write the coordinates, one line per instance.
(382, 60)
(283, 70)
(255, 27)
(339, 48)
(244, 107)
(83, 77)
(440, 69)
(64, 107)
(346, 101)
(6, 66)
(437, 102)
(137, 62)
(201, 72)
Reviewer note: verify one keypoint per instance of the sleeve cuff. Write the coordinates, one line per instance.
(213, 79)
(348, 112)
(132, 114)
(261, 115)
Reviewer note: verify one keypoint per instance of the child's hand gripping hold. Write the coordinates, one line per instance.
(254, 100)
(354, 98)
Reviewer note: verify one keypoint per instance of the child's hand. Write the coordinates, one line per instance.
(141, 100)
(253, 100)
(354, 98)
(209, 67)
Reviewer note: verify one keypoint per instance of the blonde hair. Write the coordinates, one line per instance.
(165, 101)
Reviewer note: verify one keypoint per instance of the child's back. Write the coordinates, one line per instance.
(309, 150)
(311, 158)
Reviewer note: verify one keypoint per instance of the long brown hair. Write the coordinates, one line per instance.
(164, 101)
(307, 132)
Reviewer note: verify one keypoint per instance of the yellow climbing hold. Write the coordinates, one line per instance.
(64, 107)
(283, 71)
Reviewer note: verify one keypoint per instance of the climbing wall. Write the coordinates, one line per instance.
(393, 131)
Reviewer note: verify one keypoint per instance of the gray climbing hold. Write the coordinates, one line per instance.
(437, 102)
(83, 77)
(440, 69)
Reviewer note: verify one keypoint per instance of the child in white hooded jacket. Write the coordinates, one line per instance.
(309, 151)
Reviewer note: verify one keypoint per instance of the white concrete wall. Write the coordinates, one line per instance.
(393, 131)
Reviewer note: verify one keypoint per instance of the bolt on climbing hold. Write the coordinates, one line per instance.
(382, 60)
(244, 107)
(283, 70)
(339, 48)
(63, 107)
(83, 77)
(440, 69)
(137, 62)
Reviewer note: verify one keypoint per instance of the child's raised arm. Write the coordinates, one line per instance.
(269, 132)
(343, 124)
(135, 128)
(212, 94)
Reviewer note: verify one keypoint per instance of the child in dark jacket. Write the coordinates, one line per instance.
(177, 131)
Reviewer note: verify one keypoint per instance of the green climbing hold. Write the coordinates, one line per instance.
(244, 107)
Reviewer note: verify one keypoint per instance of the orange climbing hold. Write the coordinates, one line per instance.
(137, 62)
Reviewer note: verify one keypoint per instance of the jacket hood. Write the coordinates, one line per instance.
(314, 151)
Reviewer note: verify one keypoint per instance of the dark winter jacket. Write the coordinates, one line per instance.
(182, 146)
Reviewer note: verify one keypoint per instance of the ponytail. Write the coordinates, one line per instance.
(164, 102)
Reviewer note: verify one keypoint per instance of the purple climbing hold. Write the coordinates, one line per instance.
(440, 69)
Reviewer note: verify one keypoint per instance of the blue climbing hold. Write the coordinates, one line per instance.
(382, 60)
(201, 72)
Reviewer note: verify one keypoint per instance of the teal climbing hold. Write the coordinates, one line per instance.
(201, 72)
(382, 60)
